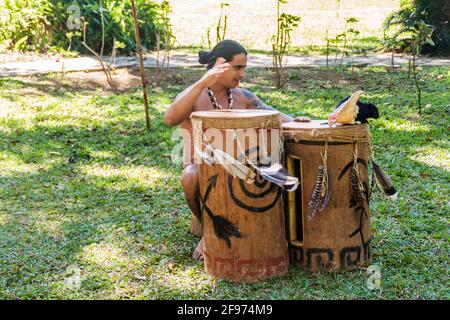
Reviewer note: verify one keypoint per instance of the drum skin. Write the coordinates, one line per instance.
(339, 237)
(244, 226)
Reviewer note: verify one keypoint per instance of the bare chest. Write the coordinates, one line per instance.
(204, 103)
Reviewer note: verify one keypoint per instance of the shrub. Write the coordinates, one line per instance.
(435, 13)
(24, 24)
(41, 24)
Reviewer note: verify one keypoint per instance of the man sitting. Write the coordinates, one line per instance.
(217, 89)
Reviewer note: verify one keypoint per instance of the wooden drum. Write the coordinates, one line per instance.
(244, 226)
(328, 222)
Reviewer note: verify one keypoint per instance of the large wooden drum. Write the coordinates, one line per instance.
(244, 227)
(328, 222)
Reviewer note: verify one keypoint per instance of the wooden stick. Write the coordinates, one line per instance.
(141, 63)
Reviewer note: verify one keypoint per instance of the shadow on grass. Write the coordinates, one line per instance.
(59, 216)
(120, 228)
(53, 215)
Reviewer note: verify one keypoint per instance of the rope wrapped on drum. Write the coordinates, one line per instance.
(356, 133)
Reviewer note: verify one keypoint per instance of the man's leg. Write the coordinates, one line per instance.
(191, 187)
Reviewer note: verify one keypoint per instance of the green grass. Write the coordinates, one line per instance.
(84, 187)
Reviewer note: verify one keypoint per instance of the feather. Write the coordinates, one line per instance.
(346, 113)
(321, 194)
(315, 198)
(277, 175)
(357, 194)
(234, 167)
(384, 181)
(326, 191)
(207, 157)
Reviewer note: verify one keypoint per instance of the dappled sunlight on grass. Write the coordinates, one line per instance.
(401, 125)
(181, 281)
(103, 154)
(433, 157)
(83, 183)
(50, 223)
(140, 174)
(105, 255)
(4, 219)
(14, 166)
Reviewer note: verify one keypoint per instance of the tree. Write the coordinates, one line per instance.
(141, 63)
(435, 13)
(422, 35)
(282, 40)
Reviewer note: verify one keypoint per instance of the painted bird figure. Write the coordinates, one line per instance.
(346, 113)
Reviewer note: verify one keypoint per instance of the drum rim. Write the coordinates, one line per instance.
(240, 114)
(297, 126)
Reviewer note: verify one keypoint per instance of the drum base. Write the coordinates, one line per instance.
(248, 270)
(331, 259)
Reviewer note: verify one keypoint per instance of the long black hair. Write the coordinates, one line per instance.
(225, 49)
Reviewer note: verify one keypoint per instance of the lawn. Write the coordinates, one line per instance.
(91, 205)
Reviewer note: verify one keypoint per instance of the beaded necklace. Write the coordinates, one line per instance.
(214, 102)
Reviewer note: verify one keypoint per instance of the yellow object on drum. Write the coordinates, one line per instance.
(328, 217)
(244, 228)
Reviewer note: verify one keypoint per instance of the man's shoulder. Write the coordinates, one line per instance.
(202, 102)
(245, 93)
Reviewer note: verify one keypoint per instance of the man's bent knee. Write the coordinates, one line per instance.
(190, 181)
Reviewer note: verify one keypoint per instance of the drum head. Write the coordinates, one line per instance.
(319, 130)
(242, 118)
(237, 113)
(313, 124)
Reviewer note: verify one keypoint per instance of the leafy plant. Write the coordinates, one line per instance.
(390, 44)
(435, 13)
(346, 36)
(221, 26)
(413, 35)
(421, 35)
(327, 52)
(42, 24)
(282, 40)
(164, 34)
(343, 39)
(208, 37)
(105, 66)
(25, 24)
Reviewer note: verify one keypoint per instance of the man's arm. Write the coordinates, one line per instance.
(184, 103)
(182, 106)
(257, 103)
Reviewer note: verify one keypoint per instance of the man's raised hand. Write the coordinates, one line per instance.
(213, 74)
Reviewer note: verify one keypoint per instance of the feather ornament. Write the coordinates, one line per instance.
(320, 195)
(277, 175)
(384, 181)
(234, 167)
(357, 195)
